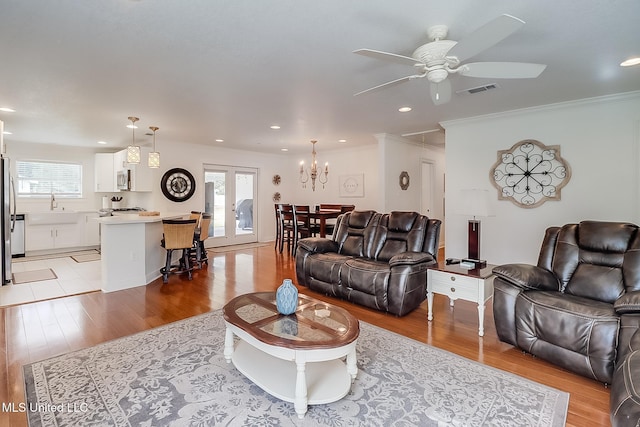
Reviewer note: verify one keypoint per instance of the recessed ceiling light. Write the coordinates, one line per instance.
(342, 140)
(275, 127)
(630, 62)
(6, 132)
(219, 140)
(132, 126)
(7, 110)
(102, 142)
(284, 149)
(404, 109)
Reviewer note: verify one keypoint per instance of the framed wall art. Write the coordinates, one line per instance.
(530, 173)
(351, 185)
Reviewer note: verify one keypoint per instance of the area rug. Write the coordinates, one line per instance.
(237, 247)
(176, 375)
(86, 257)
(33, 276)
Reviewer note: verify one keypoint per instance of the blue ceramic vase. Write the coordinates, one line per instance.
(287, 297)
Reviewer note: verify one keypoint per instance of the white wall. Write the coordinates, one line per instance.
(599, 138)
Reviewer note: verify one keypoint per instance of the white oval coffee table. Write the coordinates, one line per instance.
(297, 358)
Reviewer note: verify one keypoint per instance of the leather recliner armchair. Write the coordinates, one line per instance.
(373, 259)
(580, 303)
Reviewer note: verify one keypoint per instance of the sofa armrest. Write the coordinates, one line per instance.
(411, 258)
(527, 276)
(628, 303)
(318, 244)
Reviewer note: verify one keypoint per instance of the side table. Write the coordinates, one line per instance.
(474, 285)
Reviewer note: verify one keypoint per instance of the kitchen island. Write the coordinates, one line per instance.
(131, 251)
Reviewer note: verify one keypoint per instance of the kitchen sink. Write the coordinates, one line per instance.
(52, 217)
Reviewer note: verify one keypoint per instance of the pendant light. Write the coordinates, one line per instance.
(133, 151)
(154, 156)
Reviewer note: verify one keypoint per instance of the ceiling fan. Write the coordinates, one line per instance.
(440, 57)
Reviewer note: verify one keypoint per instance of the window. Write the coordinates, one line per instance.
(41, 179)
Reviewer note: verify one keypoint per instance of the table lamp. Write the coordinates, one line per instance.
(476, 204)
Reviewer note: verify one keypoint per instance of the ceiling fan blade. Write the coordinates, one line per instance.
(391, 83)
(486, 36)
(441, 92)
(386, 56)
(502, 70)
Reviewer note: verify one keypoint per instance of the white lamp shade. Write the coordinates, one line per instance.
(133, 154)
(475, 202)
(154, 159)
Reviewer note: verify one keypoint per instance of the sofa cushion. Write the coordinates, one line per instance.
(364, 279)
(400, 232)
(356, 233)
(325, 266)
(576, 333)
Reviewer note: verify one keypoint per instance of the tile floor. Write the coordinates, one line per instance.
(73, 278)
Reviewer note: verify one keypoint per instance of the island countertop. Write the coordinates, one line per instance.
(135, 218)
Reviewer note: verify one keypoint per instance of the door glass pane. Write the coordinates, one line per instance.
(214, 201)
(244, 203)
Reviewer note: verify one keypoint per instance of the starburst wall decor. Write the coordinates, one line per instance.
(530, 173)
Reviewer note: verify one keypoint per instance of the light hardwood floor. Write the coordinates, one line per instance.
(32, 332)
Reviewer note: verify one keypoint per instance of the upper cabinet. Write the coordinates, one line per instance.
(106, 181)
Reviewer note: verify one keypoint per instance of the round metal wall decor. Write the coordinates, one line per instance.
(530, 173)
(276, 197)
(178, 184)
(276, 180)
(404, 180)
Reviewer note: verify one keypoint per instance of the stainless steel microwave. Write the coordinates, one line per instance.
(124, 180)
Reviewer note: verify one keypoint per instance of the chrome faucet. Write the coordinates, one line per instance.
(53, 202)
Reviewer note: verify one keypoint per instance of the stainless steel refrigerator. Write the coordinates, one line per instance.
(7, 221)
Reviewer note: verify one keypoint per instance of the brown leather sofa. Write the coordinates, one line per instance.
(373, 259)
(579, 307)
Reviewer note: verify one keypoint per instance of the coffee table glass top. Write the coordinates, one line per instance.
(314, 324)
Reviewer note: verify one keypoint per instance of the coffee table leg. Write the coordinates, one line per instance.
(480, 320)
(429, 306)
(300, 403)
(228, 345)
(352, 366)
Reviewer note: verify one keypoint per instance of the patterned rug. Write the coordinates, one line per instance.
(176, 375)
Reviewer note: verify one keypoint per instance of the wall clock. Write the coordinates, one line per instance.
(530, 173)
(178, 185)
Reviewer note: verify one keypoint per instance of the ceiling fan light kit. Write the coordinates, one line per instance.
(440, 57)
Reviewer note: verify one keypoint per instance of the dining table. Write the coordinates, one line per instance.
(322, 216)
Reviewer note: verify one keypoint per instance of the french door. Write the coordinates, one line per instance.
(230, 194)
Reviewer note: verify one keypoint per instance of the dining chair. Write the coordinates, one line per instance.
(301, 224)
(177, 235)
(278, 226)
(286, 225)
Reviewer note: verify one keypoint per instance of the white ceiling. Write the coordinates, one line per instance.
(206, 69)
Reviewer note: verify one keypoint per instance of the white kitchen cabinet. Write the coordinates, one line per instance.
(105, 173)
(91, 235)
(52, 236)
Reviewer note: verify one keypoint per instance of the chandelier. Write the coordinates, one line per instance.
(312, 172)
(154, 156)
(133, 150)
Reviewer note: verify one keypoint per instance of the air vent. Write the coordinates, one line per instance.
(478, 89)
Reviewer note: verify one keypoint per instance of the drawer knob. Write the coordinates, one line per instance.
(453, 278)
(453, 289)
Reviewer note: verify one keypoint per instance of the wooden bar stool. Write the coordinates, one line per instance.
(178, 235)
(202, 234)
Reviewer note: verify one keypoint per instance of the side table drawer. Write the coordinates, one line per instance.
(453, 285)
